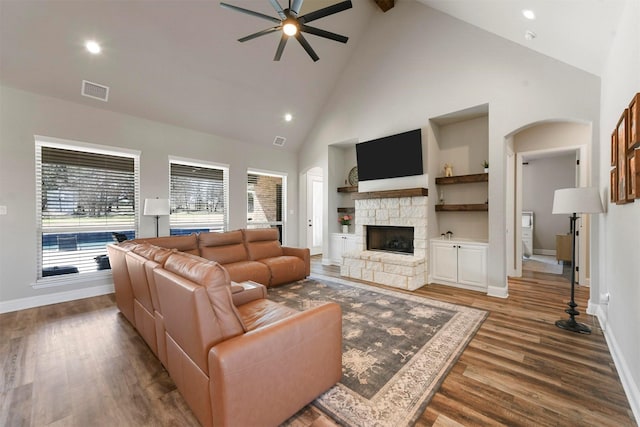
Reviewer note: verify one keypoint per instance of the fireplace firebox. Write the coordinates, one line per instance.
(390, 239)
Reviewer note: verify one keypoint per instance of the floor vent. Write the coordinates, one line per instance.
(95, 90)
(279, 141)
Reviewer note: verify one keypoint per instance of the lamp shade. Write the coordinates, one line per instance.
(577, 200)
(156, 207)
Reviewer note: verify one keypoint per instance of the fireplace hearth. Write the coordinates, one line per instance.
(392, 239)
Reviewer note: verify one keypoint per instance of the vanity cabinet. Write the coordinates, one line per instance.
(459, 263)
(339, 244)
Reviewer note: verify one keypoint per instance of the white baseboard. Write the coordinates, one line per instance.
(54, 298)
(631, 389)
(544, 252)
(498, 291)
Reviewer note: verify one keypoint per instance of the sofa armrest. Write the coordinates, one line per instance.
(244, 292)
(302, 253)
(266, 375)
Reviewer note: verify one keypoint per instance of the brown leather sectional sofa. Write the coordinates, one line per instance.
(247, 254)
(238, 358)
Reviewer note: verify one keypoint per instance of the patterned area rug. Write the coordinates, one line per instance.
(397, 348)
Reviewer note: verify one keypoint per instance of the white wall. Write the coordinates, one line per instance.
(415, 63)
(24, 114)
(540, 178)
(617, 243)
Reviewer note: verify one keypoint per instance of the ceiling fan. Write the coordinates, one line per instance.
(293, 25)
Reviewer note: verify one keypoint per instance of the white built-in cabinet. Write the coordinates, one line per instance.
(459, 263)
(339, 244)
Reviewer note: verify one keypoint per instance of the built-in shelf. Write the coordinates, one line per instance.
(409, 192)
(348, 189)
(347, 210)
(462, 179)
(478, 207)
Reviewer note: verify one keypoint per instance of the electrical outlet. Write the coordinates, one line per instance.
(3, 210)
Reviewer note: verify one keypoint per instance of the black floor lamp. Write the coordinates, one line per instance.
(156, 207)
(574, 201)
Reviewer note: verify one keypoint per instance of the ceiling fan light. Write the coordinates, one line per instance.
(290, 29)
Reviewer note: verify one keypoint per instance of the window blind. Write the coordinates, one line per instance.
(82, 198)
(199, 198)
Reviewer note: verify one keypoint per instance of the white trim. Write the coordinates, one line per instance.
(102, 277)
(498, 291)
(266, 172)
(196, 163)
(626, 378)
(40, 300)
(69, 144)
(551, 252)
(326, 261)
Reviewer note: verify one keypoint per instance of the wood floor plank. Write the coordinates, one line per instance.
(82, 363)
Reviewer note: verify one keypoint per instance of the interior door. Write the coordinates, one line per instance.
(314, 213)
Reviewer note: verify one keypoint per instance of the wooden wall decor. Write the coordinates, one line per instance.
(614, 149)
(624, 179)
(614, 186)
(622, 167)
(632, 181)
(634, 123)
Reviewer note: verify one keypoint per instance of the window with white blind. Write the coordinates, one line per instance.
(84, 194)
(199, 197)
(265, 200)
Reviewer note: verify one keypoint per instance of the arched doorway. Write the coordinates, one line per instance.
(542, 140)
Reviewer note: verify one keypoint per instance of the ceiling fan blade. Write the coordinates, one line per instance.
(278, 9)
(295, 7)
(259, 33)
(281, 45)
(329, 10)
(323, 33)
(250, 12)
(305, 44)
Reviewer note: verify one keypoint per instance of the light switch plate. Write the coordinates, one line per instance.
(3, 210)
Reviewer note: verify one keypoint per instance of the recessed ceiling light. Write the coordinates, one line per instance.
(527, 13)
(93, 47)
(288, 117)
(529, 35)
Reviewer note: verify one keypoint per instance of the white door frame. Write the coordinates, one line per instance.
(517, 224)
(314, 217)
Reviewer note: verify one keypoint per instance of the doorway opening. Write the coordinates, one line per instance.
(541, 158)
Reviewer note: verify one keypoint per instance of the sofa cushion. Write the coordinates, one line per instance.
(262, 312)
(262, 243)
(215, 279)
(224, 248)
(249, 270)
(153, 252)
(188, 244)
(285, 269)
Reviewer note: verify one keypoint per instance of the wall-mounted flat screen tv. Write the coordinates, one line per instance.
(390, 157)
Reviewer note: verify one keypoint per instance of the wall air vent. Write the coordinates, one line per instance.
(95, 90)
(279, 141)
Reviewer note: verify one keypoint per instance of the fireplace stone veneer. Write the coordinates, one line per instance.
(402, 271)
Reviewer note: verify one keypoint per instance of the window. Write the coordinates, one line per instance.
(84, 194)
(199, 197)
(265, 201)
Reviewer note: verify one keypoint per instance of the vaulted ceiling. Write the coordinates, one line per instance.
(179, 61)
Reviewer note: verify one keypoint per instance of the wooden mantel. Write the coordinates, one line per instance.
(408, 192)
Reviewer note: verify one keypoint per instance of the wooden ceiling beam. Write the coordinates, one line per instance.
(385, 4)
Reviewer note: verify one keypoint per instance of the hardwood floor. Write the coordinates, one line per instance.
(81, 363)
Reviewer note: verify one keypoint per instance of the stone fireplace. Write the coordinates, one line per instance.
(395, 210)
